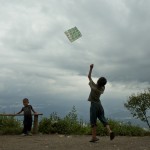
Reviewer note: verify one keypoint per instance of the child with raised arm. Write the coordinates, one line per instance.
(96, 108)
(27, 122)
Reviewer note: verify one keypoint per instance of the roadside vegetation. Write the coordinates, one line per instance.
(70, 125)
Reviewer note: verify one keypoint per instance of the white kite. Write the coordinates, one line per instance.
(73, 34)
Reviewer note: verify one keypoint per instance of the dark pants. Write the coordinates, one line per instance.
(27, 125)
(97, 111)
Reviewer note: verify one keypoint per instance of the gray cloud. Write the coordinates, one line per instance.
(38, 61)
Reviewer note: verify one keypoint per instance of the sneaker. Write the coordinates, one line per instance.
(94, 140)
(30, 134)
(23, 134)
(112, 135)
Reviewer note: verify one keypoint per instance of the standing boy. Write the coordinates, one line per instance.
(96, 109)
(27, 109)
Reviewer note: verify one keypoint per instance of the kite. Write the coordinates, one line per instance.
(73, 34)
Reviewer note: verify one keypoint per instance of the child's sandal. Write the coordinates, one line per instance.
(94, 140)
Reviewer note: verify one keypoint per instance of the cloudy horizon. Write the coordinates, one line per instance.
(38, 61)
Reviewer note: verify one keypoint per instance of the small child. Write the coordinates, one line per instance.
(27, 109)
(96, 109)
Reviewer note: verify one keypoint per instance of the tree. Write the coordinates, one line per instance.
(139, 106)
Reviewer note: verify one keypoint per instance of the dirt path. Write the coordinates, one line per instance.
(61, 142)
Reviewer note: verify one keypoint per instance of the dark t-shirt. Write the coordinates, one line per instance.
(27, 111)
(95, 92)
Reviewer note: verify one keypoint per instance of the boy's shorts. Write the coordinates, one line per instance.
(97, 111)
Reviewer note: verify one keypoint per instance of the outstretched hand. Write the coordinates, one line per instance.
(90, 71)
(91, 66)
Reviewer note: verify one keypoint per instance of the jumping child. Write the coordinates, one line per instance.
(96, 108)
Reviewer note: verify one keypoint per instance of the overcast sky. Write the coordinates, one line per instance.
(37, 60)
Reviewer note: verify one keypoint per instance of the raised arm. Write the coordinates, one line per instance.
(90, 71)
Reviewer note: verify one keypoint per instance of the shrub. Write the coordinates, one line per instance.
(9, 125)
(126, 129)
(70, 124)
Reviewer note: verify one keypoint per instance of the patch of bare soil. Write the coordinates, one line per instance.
(61, 142)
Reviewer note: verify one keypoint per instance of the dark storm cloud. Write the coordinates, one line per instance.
(38, 61)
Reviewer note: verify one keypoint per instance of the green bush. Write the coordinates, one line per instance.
(67, 125)
(125, 129)
(45, 125)
(70, 124)
(9, 125)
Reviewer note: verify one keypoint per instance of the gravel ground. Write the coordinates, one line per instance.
(61, 142)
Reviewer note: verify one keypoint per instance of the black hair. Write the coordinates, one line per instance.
(25, 99)
(101, 81)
